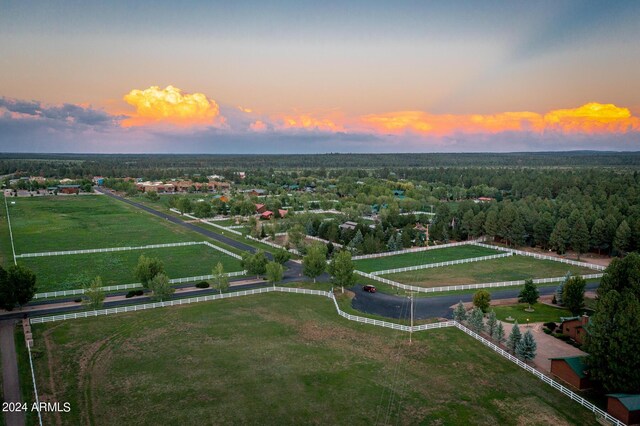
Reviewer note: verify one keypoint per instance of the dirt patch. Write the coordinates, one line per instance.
(528, 411)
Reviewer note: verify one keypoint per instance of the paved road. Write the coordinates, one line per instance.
(391, 306)
(10, 378)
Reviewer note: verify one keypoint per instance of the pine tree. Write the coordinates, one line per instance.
(491, 224)
(492, 323)
(573, 294)
(392, 244)
(476, 320)
(598, 235)
(560, 237)
(622, 239)
(526, 347)
(356, 243)
(560, 288)
(460, 313)
(498, 333)
(580, 237)
(514, 337)
(542, 230)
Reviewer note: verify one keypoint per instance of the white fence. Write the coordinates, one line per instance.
(13, 248)
(440, 264)
(119, 287)
(220, 249)
(574, 396)
(110, 249)
(423, 327)
(224, 228)
(416, 250)
(543, 257)
(324, 241)
(467, 286)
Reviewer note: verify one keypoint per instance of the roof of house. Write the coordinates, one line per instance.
(68, 186)
(282, 212)
(267, 213)
(630, 401)
(576, 363)
(259, 206)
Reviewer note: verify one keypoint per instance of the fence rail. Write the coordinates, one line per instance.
(543, 257)
(119, 287)
(423, 327)
(580, 400)
(108, 250)
(440, 264)
(416, 249)
(271, 244)
(467, 286)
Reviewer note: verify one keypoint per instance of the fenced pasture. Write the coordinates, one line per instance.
(42, 224)
(245, 359)
(510, 268)
(423, 257)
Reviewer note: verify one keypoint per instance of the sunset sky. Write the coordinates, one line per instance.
(305, 77)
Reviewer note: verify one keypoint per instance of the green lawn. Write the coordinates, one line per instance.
(6, 253)
(81, 222)
(422, 258)
(496, 270)
(280, 359)
(541, 313)
(72, 271)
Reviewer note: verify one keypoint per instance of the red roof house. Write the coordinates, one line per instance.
(266, 215)
(261, 208)
(282, 212)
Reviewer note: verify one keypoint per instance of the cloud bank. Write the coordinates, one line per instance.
(170, 120)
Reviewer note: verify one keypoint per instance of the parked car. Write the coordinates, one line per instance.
(369, 288)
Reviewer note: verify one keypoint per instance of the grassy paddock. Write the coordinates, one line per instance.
(83, 222)
(541, 313)
(422, 258)
(274, 359)
(72, 271)
(503, 269)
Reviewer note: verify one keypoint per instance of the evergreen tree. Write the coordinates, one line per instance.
(491, 224)
(622, 239)
(514, 338)
(613, 340)
(498, 333)
(560, 237)
(598, 235)
(356, 243)
(529, 293)
(560, 288)
(542, 230)
(460, 313)
(580, 237)
(526, 347)
(476, 320)
(17, 286)
(611, 226)
(492, 323)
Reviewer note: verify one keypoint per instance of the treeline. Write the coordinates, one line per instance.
(158, 166)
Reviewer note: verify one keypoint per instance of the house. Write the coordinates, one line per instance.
(624, 407)
(261, 208)
(68, 189)
(98, 180)
(38, 179)
(398, 193)
(222, 198)
(571, 370)
(241, 175)
(484, 199)
(348, 225)
(257, 192)
(574, 327)
(66, 181)
(183, 185)
(282, 212)
(219, 186)
(266, 215)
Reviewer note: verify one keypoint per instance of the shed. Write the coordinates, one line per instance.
(574, 327)
(571, 370)
(261, 208)
(266, 215)
(68, 189)
(624, 407)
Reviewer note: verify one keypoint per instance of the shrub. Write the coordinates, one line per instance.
(78, 300)
(550, 325)
(130, 294)
(202, 284)
(546, 330)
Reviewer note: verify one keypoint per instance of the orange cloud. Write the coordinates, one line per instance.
(258, 126)
(170, 105)
(589, 118)
(324, 122)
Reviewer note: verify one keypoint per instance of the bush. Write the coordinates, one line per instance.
(132, 293)
(546, 330)
(551, 326)
(202, 284)
(78, 300)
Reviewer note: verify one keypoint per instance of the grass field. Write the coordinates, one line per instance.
(541, 313)
(280, 359)
(72, 271)
(422, 258)
(80, 222)
(6, 253)
(504, 269)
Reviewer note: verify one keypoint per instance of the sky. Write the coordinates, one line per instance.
(308, 76)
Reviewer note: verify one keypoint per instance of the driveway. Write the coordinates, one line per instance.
(10, 378)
